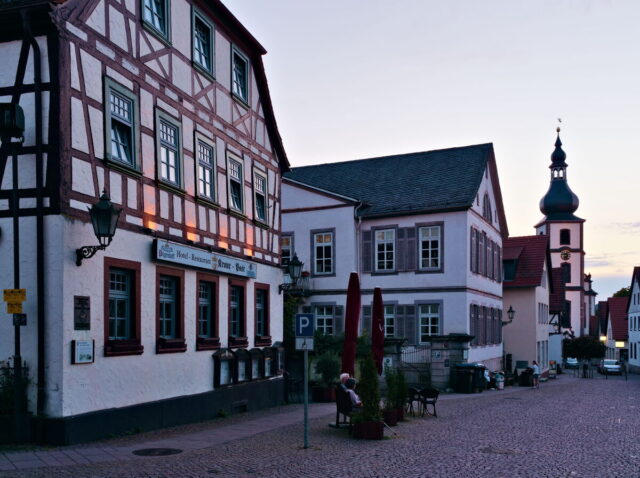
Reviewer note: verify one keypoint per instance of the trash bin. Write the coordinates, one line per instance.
(499, 378)
(526, 378)
(469, 378)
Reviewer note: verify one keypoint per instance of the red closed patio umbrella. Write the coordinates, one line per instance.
(377, 328)
(352, 316)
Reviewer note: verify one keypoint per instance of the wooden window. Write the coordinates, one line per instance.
(286, 248)
(155, 14)
(202, 42)
(486, 209)
(565, 236)
(207, 335)
(239, 75)
(122, 332)
(385, 245)
(429, 321)
(121, 124)
(566, 272)
(168, 150)
(324, 319)
(235, 185)
(389, 321)
(206, 168)
(322, 252)
(237, 314)
(430, 238)
(262, 317)
(170, 310)
(260, 197)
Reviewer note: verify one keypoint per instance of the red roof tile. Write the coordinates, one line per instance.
(531, 259)
(556, 296)
(618, 316)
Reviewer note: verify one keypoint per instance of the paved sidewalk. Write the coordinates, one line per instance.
(217, 434)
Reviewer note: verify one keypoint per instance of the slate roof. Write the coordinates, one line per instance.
(531, 253)
(430, 181)
(556, 295)
(618, 315)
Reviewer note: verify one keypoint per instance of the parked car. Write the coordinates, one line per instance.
(571, 363)
(609, 366)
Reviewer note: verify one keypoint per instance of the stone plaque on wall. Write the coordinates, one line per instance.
(81, 312)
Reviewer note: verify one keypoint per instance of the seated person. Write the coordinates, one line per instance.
(355, 399)
(343, 380)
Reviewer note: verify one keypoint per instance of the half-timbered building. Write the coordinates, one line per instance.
(164, 106)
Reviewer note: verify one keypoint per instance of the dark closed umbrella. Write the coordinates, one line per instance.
(352, 313)
(377, 328)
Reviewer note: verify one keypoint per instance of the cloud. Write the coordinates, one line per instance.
(625, 227)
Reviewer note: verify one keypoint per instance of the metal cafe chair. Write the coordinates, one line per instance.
(413, 396)
(429, 396)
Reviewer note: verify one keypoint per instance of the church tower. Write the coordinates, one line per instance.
(565, 231)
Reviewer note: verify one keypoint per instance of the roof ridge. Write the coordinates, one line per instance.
(401, 155)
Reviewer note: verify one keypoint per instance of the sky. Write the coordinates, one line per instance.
(355, 79)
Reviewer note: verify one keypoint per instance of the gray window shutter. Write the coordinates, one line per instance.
(499, 264)
(410, 324)
(487, 324)
(481, 325)
(481, 254)
(338, 320)
(411, 248)
(306, 309)
(401, 246)
(487, 256)
(399, 331)
(472, 246)
(499, 326)
(472, 323)
(366, 320)
(367, 255)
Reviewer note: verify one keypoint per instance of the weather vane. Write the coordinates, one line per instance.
(559, 121)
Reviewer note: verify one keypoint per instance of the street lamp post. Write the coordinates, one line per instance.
(104, 218)
(294, 269)
(511, 314)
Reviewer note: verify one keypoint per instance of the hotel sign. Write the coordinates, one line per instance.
(193, 257)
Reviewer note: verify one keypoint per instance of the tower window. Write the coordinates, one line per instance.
(565, 236)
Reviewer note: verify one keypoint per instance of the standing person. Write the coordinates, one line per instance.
(536, 374)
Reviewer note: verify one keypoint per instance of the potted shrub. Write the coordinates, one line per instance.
(367, 422)
(402, 392)
(390, 412)
(328, 367)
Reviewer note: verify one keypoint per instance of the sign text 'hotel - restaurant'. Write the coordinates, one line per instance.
(192, 257)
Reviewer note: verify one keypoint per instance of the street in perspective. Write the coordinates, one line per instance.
(318, 239)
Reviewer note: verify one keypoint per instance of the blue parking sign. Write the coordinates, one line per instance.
(305, 325)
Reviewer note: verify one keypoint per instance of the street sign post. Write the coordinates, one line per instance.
(305, 327)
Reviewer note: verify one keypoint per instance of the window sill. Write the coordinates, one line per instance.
(319, 276)
(241, 101)
(238, 342)
(167, 346)
(156, 33)
(262, 341)
(123, 167)
(261, 224)
(236, 213)
(430, 271)
(202, 70)
(170, 187)
(384, 273)
(207, 202)
(116, 348)
(208, 343)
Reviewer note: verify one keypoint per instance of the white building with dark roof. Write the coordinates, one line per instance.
(425, 227)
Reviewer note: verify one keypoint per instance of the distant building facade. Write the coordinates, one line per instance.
(633, 313)
(425, 227)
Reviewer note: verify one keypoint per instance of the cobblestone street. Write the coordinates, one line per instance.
(568, 428)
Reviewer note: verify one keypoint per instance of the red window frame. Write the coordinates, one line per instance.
(133, 346)
(177, 344)
(241, 341)
(213, 342)
(265, 339)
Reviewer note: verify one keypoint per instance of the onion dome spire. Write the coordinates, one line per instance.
(560, 202)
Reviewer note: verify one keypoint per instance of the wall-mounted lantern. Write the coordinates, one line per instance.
(294, 269)
(511, 314)
(104, 218)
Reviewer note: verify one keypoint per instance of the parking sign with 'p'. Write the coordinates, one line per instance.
(305, 325)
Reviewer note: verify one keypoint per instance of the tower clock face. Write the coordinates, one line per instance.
(565, 254)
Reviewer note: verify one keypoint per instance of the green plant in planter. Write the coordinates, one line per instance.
(402, 390)
(391, 379)
(328, 367)
(369, 392)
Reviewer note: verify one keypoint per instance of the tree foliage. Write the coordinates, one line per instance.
(624, 292)
(369, 391)
(583, 348)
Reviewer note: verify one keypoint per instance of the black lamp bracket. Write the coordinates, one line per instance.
(85, 252)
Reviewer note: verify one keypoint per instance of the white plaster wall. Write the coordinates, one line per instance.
(634, 311)
(294, 197)
(150, 376)
(54, 356)
(520, 335)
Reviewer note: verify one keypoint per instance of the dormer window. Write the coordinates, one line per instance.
(510, 267)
